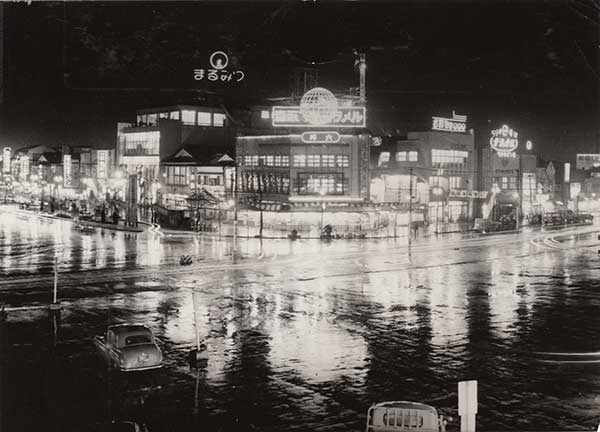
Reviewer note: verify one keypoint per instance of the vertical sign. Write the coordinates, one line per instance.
(467, 405)
(24, 167)
(67, 170)
(6, 160)
(567, 172)
(102, 158)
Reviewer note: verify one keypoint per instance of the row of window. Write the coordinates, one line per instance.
(448, 158)
(178, 175)
(451, 182)
(188, 117)
(509, 183)
(265, 183)
(141, 143)
(267, 160)
(307, 183)
(327, 161)
(300, 161)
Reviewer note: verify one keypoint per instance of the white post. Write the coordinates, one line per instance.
(196, 320)
(467, 405)
(55, 278)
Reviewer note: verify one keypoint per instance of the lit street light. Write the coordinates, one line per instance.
(437, 191)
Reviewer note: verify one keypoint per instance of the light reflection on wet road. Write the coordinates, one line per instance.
(304, 336)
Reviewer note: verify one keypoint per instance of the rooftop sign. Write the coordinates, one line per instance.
(219, 61)
(458, 123)
(504, 141)
(318, 107)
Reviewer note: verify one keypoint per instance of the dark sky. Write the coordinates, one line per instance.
(72, 70)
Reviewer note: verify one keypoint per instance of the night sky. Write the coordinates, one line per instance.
(72, 70)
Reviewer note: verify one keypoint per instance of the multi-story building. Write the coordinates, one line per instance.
(159, 132)
(437, 168)
(302, 158)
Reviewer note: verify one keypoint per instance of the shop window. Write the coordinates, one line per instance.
(152, 119)
(401, 156)
(163, 115)
(455, 182)
(413, 156)
(174, 115)
(265, 115)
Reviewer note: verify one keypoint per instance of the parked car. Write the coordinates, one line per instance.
(129, 347)
(404, 416)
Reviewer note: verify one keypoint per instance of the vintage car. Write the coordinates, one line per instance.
(404, 416)
(129, 347)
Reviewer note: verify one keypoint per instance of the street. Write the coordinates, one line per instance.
(302, 335)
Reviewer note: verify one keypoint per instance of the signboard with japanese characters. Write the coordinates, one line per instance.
(291, 116)
(320, 137)
(23, 167)
(505, 142)
(6, 160)
(218, 72)
(67, 171)
(458, 123)
(102, 160)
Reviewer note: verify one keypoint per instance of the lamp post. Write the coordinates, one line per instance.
(58, 180)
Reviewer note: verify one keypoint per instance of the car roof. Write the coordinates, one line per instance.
(405, 405)
(128, 328)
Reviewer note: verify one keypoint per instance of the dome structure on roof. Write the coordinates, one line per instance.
(318, 106)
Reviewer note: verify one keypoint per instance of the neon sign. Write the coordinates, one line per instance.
(458, 123)
(67, 170)
(318, 107)
(320, 137)
(24, 165)
(6, 160)
(505, 141)
(219, 61)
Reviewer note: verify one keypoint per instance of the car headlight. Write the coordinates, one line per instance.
(121, 361)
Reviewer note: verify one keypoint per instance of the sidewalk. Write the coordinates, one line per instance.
(109, 226)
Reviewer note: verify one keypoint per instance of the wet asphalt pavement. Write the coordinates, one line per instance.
(301, 335)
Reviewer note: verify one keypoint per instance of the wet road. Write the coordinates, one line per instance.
(302, 335)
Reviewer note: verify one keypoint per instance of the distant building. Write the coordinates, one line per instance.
(443, 165)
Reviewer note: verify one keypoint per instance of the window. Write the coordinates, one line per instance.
(265, 115)
(328, 161)
(218, 119)
(137, 339)
(299, 160)
(313, 160)
(174, 115)
(401, 156)
(384, 157)
(504, 183)
(152, 119)
(188, 117)
(512, 183)
(141, 143)
(455, 182)
(251, 161)
(204, 118)
(312, 184)
(413, 156)
(164, 115)
(449, 158)
(177, 175)
(342, 161)
(281, 161)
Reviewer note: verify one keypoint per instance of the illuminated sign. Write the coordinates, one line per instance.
(219, 61)
(528, 145)
(318, 107)
(24, 165)
(458, 123)
(67, 170)
(320, 137)
(286, 116)
(102, 160)
(504, 141)
(567, 172)
(6, 160)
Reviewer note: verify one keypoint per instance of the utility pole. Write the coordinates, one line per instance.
(362, 66)
(410, 170)
(235, 212)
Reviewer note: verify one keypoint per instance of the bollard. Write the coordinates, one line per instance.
(467, 405)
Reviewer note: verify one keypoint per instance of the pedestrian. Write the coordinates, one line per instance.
(116, 218)
(103, 214)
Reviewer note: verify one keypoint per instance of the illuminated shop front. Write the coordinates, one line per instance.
(314, 154)
(437, 168)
